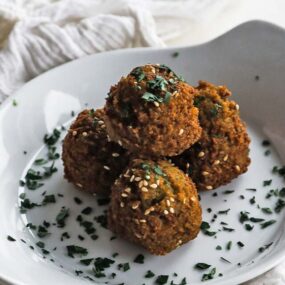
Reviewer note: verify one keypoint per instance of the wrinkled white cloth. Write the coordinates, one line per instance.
(36, 35)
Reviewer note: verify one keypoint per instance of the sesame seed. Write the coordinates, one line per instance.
(154, 186)
(157, 182)
(226, 157)
(237, 167)
(144, 189)
(216, 162)
(101, 122)
(79, 185)
(140, 184)
(147, 211)
(119, 142)
(108, 138)
(135, 205)
(165, 212)
(180, 241)
(193, 198)
(145, 183)
(106, 167)
(209, 187)
(172, 199)
(184, 200)
(201, 154)
(138, 236)
(175, 93)
(115, 154)
(237, 106)
(84, 134)
(171, 210)
(122, 204)
(124, 195)
(143, 221)
(128, 190)
(181, 132)
(74, 133)
(138, 179)
(132, 178)
(205, 173)
(156, 104)
(168, 203)
(187, 165)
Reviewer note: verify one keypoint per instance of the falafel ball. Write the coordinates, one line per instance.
(155, 205)
(222, 153)
(151, 112)
(91, 161)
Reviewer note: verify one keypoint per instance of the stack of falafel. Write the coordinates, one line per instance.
(154, 144)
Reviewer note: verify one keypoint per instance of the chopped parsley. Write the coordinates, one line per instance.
(161, 279)
(224, 212)
(248, 227)
(267, 182)
(229, 245)
(124, 266)
(205, 229)
(267, 224)
(139, 259)
(42, 232)
(87, 211)
(61, 217)
(77, 200)
(263, 248)
(210, 275)
(229, 192)
(266, 210)
(73, 250)
(280, 204)
(149, 274)
(52, 138)
(48, 199)
(40, 244)
(175, 54)
(215, 110)
(240, 244)
(87, 261)
(202, 266)
(9, 238)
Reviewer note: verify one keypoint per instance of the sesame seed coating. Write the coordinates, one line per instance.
(141, 111)
(160, 218)
(89, 159)
(222, 152)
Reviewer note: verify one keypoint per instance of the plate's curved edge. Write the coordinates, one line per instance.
(259, 24)
(257, 270)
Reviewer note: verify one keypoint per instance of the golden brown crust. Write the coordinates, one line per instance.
(165, 124)
(222, 153)
(155, 205)
(91, 162)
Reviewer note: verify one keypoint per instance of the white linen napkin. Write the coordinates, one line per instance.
(36, 35)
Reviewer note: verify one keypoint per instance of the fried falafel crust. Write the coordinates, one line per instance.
(155, 205)
(150, 112)
(222, 152)
(91, 161)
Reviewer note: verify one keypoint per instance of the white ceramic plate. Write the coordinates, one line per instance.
(235, 59)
